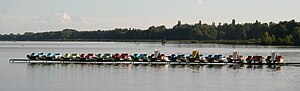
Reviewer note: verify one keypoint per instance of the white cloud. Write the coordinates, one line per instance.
(63, 17)
(66, 17)
(199, 1)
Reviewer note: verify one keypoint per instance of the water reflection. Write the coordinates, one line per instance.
(216, 66)
(276, 67)
(164, 67)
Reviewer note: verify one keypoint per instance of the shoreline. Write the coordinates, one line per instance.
(233, 42)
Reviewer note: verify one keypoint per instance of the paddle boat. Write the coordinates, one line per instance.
(279, 59)
(41, 56)
(82, 57)
(67, 56)
(144, 57)
(58, 56)
(125, 57)
(202, 58)
(49, 56)
(179, 58)
(209, 58)
(194, 57)
(75, 56)
(139, 57)
(91, 56)
(274, 58)
(182, 58)
(135, 57)
(173, 58)
(255, 59)
(99, 57)
(155, 56)
(163, 57)
(32, 56)
(116, 57)
(107, 57)
(236, 57)
(216, 58)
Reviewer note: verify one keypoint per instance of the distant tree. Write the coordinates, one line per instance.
(296, 37)
(288, 40)
(284, 32)
(233, 22)
(273, 38)
(266, 38)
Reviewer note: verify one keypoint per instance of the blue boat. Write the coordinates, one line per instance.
(49, 56)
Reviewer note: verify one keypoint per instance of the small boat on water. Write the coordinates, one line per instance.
(274, 58)
(33, 56)
(255, 59)
(75, 56)
(216, 58)
(67, 56)
(178, 58)
(195, 56)
(164, 58)
(236, 57)
(117, 57)
(155, 56)
(107, 57)
(91, 57)
(58, 56)
(125, 57)
(41, 56)
(173, 58)
(82, 56)
(99, 57)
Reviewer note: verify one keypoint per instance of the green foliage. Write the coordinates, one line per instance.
(266, 39)
(273, 38)
(296, 37)
(288, 39)
(282, 33)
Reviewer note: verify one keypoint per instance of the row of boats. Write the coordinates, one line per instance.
(158, 57)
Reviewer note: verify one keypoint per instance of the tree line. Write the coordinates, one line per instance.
(281, 33)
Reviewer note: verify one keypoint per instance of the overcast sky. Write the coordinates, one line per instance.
(19, 16)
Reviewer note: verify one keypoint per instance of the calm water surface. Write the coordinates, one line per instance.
(88, 77)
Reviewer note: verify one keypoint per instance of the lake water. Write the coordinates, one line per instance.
(121, 77)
